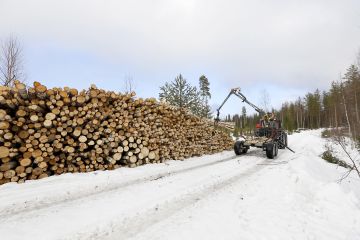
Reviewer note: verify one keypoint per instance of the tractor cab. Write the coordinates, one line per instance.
(267, 128)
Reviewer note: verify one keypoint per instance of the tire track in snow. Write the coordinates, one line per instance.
(131, 226)
(27, 207)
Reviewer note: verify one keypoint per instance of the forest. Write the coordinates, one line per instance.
(337, 107)
(334, 108)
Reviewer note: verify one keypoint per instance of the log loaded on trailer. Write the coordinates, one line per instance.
(269, 134)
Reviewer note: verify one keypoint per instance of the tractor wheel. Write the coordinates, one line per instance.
(271, 151)
(245, 150)
(285, 140)
(238, 148)
(276, 146)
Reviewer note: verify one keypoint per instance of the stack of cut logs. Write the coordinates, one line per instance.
(47, 132)
(228, 125)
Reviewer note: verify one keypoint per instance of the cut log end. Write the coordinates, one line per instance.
(4, 152)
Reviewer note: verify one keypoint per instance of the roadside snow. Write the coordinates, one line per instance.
(338, 150)
(221, 196)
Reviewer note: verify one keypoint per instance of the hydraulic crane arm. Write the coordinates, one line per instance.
(236, 91)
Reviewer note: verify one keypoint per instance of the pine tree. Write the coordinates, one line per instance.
(205, 95)
(204, 86)
(351, 90)
(326, 102)
(318, 107)
(313, 104)
(181, 94)
(243, 117)
(336, 104)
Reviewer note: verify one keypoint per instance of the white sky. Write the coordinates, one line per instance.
(285, 47)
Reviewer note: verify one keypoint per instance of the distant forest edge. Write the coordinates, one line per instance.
(337, 107)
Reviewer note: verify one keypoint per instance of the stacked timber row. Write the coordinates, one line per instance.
(228, 125)
(47, 132)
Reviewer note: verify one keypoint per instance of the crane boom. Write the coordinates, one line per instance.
(237, 92)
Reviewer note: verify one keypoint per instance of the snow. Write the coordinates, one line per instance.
(338, 151)
(220, 196)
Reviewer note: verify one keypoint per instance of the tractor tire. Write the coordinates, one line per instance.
(271, 151)
(238, 148)
(245, 150)
(285, 140)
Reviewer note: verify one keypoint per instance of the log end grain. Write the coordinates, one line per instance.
(4, 152)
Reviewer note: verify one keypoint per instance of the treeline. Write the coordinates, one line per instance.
(337, 107)
(244, 124)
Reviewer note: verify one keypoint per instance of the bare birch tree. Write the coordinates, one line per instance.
(129, 84)
(11, 67)
(346, 111)
(265, 100)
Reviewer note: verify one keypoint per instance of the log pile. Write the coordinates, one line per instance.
(228, 125)
(47, 132)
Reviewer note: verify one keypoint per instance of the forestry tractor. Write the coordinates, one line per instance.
(268, 134)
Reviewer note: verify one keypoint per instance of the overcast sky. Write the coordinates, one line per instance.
(284, 47)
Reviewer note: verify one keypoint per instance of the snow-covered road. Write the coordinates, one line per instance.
(295, 196)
